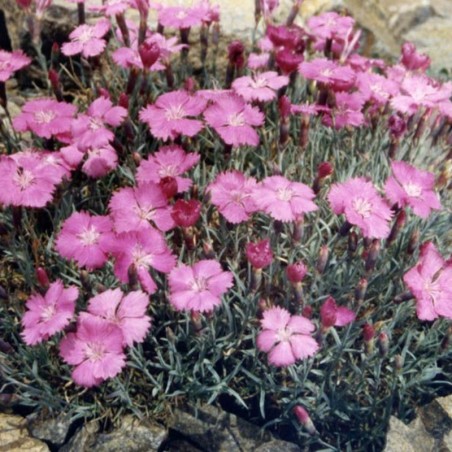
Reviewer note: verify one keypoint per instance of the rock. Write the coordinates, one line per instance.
(277, 445)
(14, 436)
(82, 438)
(52, 430)
(408, 438)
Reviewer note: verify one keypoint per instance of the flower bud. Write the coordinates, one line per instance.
(186, 213)
(196, 320)
(352, 243)
(259, 254)
(383, 343)
(413, 242)
(368, 336)
(307, 312)
(288, 61)
(24, 3)
(133, 277)
(360, 291)
(324, 170)
(149, 53)
(398, 363)
(43, 278)
(373, 254)
(236, 51)
(322, 260)
(296, 272)
(168, 185)
(84, 279)
(397, 227)
(123, 101)
(304, 419)
(208, 250)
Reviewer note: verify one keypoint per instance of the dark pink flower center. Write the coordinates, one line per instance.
(362, 207)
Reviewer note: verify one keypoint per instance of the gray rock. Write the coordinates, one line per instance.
(277, 445)
(82, 439)
(408, 438)
(53, 430)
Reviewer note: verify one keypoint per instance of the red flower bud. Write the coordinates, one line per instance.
(368, 332)
(236, 50)
(149, 53)
(307, 312)
(42, 277)
(304, 419)
(259, 254)
(168, 185)
(296, 272)
(186, 213)
(123, 101)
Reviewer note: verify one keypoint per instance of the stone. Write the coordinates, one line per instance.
(277, 445)
(14, 435)
(408, 438)
(53, 430)
(82, 439)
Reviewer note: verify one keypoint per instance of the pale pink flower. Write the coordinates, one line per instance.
(48, 314)
(169, 161)
(11, 62)
(180, 17)
(126, 311)
(144, 249)
(87, 40)
(376, 88)
(347, 111)
(133, 209)
(85, 239)
(260, 87)
(413, 60)
(114, 7)
(45, 117)
(358, 199)
(258, 61)
(89, 130)
(100, 161)
(429, 282)
(198, 288)
(409, 186)
(231, 193)
(333, 315)
(169, 116)
(96, 349)
(233, 119)
(282, 199)
(285, 338)
(330, 25)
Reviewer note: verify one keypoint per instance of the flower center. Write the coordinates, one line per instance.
(168, 171)
(95, 123)
(237, 196)
(259, 83)
(236, 120)
(199, 284)
(284, 194)
(47, 313)
(85, 36)
(433, 290)
(326, 73)
(181, 15)
(140, 258)
(24, 178)
(176, 112)
(362, 207)
(412, 190)
(89, 236)
(95, 351)
(284, 334)
(44, 117)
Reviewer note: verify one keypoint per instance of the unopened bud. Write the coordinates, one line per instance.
(398, 363)
(322, 260)
(304, 419)
(123, 101)
(208, 250)
(307, 312)
(383, 343)
(43, 278)
(149, 53)
(360, 291)
(372, 257)
(133, 277)
(352, 242)
(136, 158)
(196, 321)
(368, 336)
(397, 227)
(413, 243)
(170, 335)
(84, 279)
(168, 185)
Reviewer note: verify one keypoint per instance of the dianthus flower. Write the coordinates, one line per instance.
(169, 116)
(259, 254)
(347, 111)
(330, 25)
(100, 161)
(180, 17)
(96, 349)
(114, 7)
(285, 338)
(375, 87)
(27, 180)
(45, 117)
(258, 61)
(11, 62)
(198, 288)
(282, 199)
(409, 186)
(89, 130)
(231, 193)
(333, 315)
(144, 249)
(86, 239)
(48, 314)
(260, 87)
(233, 119)
(133, 208)
(126, 311)
(429, 282)
(87, 40)
(169, 161)
(413, 60)
(358, 199)
(186, 213)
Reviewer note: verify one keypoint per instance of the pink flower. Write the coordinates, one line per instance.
(45, 117)
(413, 60)
(133, 208)
(198, 288)
(48, 314)
(260, 87)
(11, 62)
(333, 315)
(285, 338)
(168, 117)
(144, 249)
(330, 25)
(358, 199)
(258, 61)
(85, 238)
(128, 312)
(259, 254)
(282, 199)
(180, 17)
(347, 111)
(100, 161)
(375, 87)
(169, 161)
(233, 120)
(89, 130)
(27, 181)
(296, 272)
(429, 281)
(409, 186)
(114, 7)
(87, 39)
(96, 349)
(231, 192)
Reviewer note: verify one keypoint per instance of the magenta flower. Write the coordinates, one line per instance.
(333, 315)
(429, 282)
(48, 314)
(376, 88)
(126, 311)
(86, 239)
(231, 193)
(11, 62)
(409, 186)
(133, 208)
(169, 161)
(413, 60)
(89, 130)
(233, 120)
(260, 87)
(100, 161)
(96, 349)
(282, 199)
(296, 272)
(330, 25)
(198, 288)
(186, 213)
(144, 249)
(259, 254)
(180, 17)
(285, 338)
(169, 116)
(347, 111)
(87, 39)
(45, 117)
(358, 199)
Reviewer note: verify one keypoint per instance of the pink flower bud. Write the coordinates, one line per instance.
(296, 272)
(307, 312)
(24, 3)
(368, 332)
(383, 343)
(259, 254)
(325, 169)
(284, 107)
(288, 61)
(149, 53)
(304, 419)
(186, 213)
(168, 185)
(123, 101)
(373, 254)
(236, 51)
(42, 277)
(322, 259)
(333, 315)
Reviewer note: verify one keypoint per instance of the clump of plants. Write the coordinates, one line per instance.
(265, 228)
